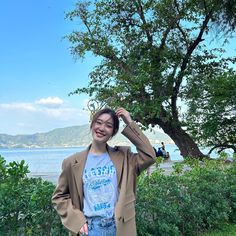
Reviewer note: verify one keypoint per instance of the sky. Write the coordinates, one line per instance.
(37, 71)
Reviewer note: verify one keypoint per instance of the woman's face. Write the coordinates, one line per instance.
(102, 128)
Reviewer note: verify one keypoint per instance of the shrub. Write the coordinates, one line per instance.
(183, 203)
(25, 203)
(157, 205)
(206, 185)
(186, 202)
(231, 189)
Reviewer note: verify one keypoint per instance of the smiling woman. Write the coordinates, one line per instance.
(95, 194)
(105, 124)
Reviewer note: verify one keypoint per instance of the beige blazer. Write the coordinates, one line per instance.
(68, 195)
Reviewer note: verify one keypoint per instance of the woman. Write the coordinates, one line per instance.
(95, 194)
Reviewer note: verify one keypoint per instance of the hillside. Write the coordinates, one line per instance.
(73, 136)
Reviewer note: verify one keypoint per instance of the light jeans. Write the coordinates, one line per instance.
(98, 226)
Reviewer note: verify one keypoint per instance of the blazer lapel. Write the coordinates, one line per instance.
(78, 169)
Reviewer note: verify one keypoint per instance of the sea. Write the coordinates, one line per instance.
(46, 162)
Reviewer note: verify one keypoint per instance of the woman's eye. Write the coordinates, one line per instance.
(110, 126)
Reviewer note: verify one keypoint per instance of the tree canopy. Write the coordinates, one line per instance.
(151, 53)
(212, 110)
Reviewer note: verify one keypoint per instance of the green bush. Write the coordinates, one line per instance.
(155, 216)
(186, 202)
(183, 203)
(231, 190)
(225, 230)
(25, 203)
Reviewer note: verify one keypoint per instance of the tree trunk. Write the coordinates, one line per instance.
(186, 145)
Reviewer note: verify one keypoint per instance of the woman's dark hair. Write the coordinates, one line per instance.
(113, 116)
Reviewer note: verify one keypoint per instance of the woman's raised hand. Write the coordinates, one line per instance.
(121, 112)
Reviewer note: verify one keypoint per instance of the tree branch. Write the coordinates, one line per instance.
(178, 25)
(183, 33)
(190, 50)
(222, 148)
(185, 61)
(142, 16)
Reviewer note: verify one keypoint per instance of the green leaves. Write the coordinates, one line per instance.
(154, 57)
(25, 203)
(187, 202)
(211, 117)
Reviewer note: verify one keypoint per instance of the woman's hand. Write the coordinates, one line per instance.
(84, 230)
(121, 112)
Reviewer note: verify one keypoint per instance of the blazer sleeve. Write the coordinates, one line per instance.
(72, 218)
(146, 155)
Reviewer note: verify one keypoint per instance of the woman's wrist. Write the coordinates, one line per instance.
(128, 121)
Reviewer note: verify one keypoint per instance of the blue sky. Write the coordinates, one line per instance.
(37, 70)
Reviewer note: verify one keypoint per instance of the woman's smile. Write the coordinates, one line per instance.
(100, 134)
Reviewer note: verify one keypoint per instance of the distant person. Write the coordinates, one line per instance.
(158, 152)
(163, 150)
(162, 145)
(95, 194)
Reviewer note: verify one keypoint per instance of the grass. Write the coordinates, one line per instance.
(226, 230)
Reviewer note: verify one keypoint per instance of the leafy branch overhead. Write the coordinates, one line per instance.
(151, 52)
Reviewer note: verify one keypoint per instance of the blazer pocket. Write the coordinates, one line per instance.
(129, 208)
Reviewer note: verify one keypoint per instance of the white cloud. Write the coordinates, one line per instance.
(53, 102)
(28, 118)
(18, 106)
(66, 113)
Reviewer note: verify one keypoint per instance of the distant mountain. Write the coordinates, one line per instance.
(74, 136)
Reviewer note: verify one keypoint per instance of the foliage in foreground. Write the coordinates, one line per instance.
(187, 202)
(225, 230)
(25, 203)
(183, 203)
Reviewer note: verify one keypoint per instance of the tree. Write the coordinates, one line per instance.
(150, 51)
(225, 15)
(212, 114)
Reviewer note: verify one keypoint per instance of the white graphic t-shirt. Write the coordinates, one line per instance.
(100, 186)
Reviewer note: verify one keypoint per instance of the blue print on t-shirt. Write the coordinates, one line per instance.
(100, 186)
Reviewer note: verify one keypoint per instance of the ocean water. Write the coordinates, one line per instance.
(42, 162)
(46, 162)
